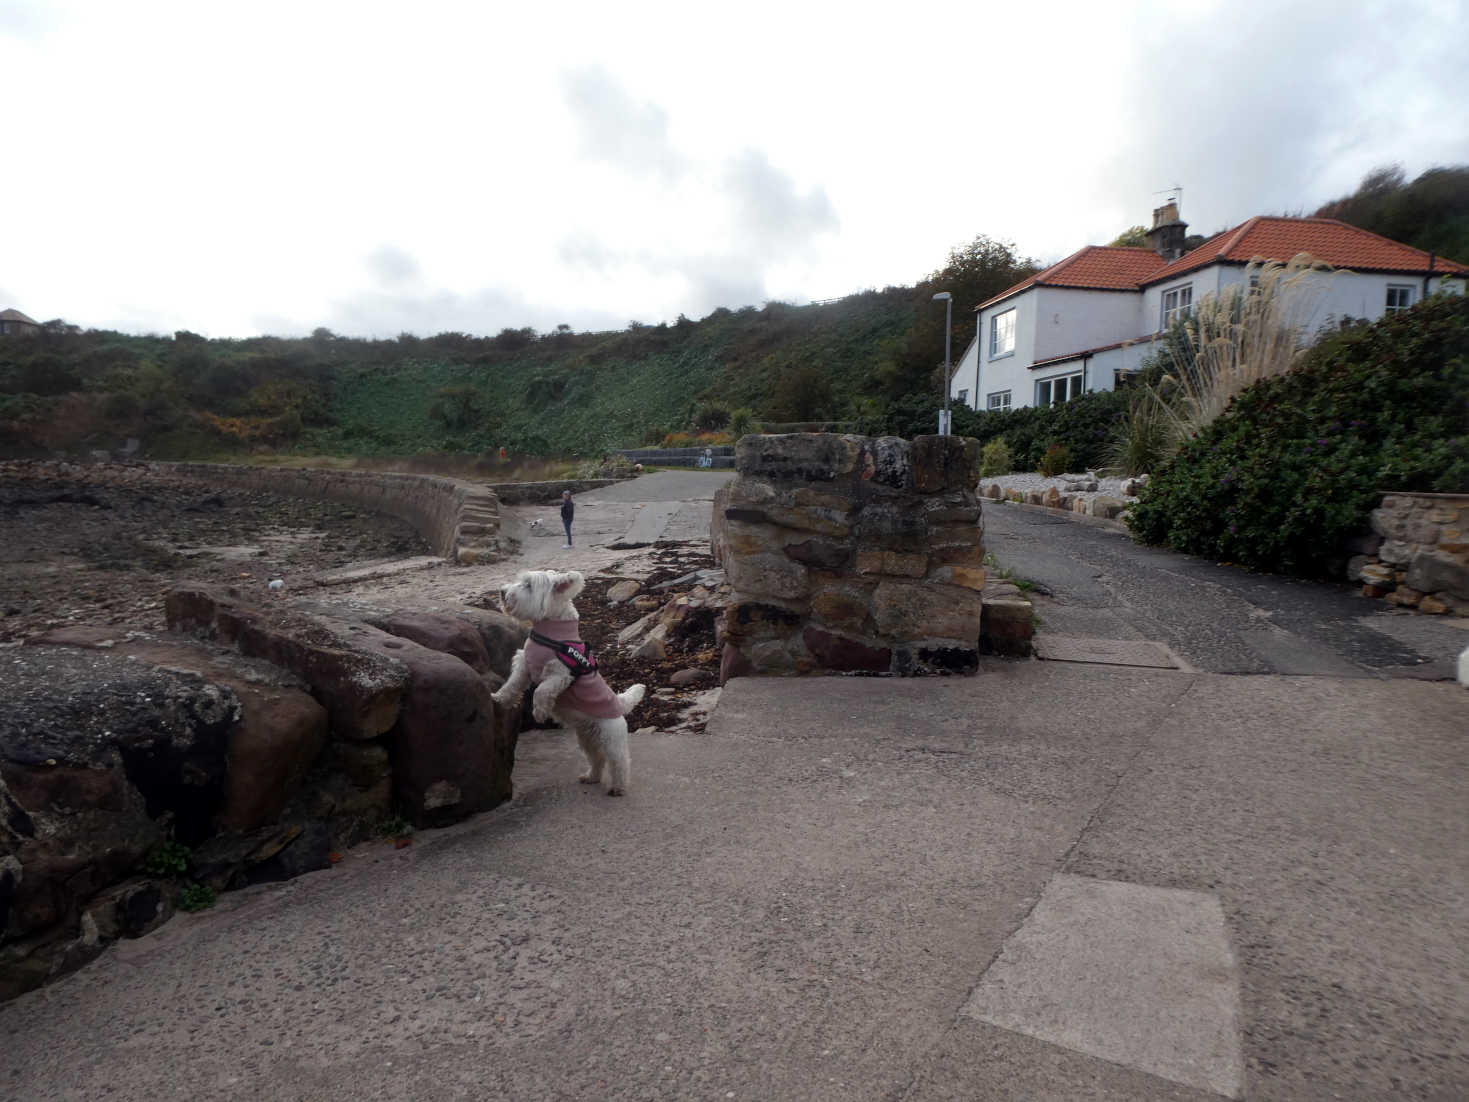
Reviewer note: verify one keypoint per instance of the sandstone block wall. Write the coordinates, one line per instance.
(1417, 555)
(851, 553)
(461, 520)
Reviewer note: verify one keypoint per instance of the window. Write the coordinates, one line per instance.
(964, 396)
(1002, 335)
(1399, 297)
(997, 401)
(1063, 388)
(1122, 378)
(1176, 302)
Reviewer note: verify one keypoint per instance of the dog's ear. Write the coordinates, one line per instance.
(569, 582)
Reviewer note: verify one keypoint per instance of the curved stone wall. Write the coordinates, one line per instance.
(460, 520)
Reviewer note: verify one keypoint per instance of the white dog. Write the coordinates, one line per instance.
(568, 686)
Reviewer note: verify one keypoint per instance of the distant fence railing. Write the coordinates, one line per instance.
(720, 456)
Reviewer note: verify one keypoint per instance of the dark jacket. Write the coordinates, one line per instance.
(568, 510)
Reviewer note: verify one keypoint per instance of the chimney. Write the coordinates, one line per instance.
(1166, 236)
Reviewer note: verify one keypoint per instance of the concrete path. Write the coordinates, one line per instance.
(1097, 583)
(817, 898)
(1049, 881)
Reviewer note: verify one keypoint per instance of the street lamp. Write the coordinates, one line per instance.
(948, 301)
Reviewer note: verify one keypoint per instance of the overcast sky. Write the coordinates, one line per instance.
(245, 168)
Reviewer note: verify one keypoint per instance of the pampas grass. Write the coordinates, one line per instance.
(1239, 336)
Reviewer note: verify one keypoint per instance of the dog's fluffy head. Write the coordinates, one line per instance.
(542, 595)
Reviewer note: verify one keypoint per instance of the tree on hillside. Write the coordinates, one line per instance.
(976, 271)
(1134, 237)
(1430, 213)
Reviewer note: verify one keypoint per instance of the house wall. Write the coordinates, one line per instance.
(1008, 372)
(1072, 320)
(966, 376)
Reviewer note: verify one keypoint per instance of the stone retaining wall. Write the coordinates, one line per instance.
(1417, 555)
(460, 520)
(547, 493)
(851, 553)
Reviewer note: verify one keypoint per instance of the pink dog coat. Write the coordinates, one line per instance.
(589, 693)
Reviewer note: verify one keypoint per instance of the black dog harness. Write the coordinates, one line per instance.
(575, 656)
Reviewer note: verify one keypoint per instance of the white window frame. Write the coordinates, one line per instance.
(1176, 300)
(996, 351)
(997, 401)
(1398, 290)
(1075, 386)
(962, 396)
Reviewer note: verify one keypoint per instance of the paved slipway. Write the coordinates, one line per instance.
(1051, 880)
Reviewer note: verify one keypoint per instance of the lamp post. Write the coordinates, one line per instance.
(948, 301)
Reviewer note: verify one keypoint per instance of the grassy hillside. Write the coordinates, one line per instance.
(561, 393)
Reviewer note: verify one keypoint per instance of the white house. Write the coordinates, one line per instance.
(1087, 322)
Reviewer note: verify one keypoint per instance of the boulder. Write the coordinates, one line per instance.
(624, 590)
(278, 733)
(501, 635)
(99, 754)
(452, 750)
(1108, 508)
(361, 686)
(445, 632)
(1436, 572)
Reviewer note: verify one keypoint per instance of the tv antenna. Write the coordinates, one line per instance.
(1176, 191)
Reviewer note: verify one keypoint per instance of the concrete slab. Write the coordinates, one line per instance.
(376, 570)
(1140, 976)
(976, 1060)
(647, 525)
(1105, 652)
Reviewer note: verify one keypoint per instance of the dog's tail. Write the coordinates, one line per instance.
(630, 697)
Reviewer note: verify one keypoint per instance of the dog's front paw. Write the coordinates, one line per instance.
(503, 698)
(587, 778)
(542, 712)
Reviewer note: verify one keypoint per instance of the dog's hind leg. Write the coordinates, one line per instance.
(589, 735)
(615, 746)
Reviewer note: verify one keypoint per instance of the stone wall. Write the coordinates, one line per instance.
(547, 493)
(1417, 555)
(460, 520)
(851, 553)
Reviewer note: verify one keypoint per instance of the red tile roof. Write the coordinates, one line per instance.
(1096, 267)
(1342, 246)
(1338, 244)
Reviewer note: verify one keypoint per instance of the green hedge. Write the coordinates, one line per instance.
(1296, 464)
(1084, 425)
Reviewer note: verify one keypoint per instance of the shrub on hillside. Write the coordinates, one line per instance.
(995, 459)
(1297, 463)
(742, 422)
(710, 416)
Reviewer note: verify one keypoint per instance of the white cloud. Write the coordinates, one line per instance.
(226, 169)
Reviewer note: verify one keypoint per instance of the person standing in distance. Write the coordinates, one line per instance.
(568, 510)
